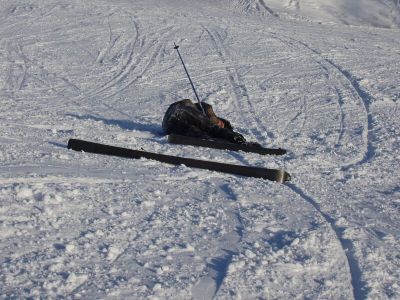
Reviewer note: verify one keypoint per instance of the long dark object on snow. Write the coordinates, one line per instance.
(218, 144)
(190, 79)
(270, 174)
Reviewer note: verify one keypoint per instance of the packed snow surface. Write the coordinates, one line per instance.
(79, 225)
(377, 13)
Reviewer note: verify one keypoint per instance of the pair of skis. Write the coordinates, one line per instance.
(265, 173)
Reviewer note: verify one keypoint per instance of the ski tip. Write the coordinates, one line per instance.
(280, 151)
(76, 144)
(70, 143)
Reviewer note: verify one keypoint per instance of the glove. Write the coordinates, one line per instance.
(238, 138)
(226, 134)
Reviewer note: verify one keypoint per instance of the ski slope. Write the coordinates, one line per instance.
(84, 226)
(375, 13)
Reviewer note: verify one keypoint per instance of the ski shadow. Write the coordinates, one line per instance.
(239, 156)
(123, 124)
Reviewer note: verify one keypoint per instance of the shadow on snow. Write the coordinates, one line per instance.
(123, 124)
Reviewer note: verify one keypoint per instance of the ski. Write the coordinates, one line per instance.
(269, 174)
(219, 144)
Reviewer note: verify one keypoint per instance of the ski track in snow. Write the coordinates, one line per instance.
(359, 289)
(346, 246)
(241, 96)
(358, 284)
(347, 109)
(365, 99)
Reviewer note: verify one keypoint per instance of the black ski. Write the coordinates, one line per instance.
(219, 144)
(269, 174)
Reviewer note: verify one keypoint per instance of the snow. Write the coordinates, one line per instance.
(376, 13)
(319, 78)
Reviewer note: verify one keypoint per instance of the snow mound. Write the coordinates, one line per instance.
(376, 13)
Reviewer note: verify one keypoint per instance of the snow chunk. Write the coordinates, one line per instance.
(250, 254)
(236, 265)
(113, 253)
(70, 248)
(157, 287)
(24, 192)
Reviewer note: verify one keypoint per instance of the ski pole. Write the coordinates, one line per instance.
(176, 47)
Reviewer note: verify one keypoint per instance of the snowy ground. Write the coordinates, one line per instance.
(377, 13)
(77, 225)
